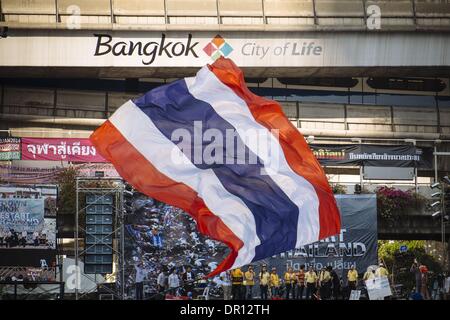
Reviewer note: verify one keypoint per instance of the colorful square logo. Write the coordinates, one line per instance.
(217, 48)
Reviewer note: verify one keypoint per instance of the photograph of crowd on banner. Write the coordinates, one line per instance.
(163, 242)
(167, 258)
(27, 218)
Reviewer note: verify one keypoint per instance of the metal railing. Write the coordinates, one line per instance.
(83, 111)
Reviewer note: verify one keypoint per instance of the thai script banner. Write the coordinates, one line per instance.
(60, 149)
(9, 148)
(19, 174)
(28, 175)
(373, 155)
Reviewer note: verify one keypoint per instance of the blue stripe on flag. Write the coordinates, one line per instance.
(172, 107)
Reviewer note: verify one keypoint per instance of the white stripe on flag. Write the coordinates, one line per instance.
(207, 87)
(141, 132)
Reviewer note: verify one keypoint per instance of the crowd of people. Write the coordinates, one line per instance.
(306, 283)
(11, 238)
(302, 284)
(266, 283)
(165, 254)
(237, 284)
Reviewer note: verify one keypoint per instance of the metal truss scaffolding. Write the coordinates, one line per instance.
(113, 283)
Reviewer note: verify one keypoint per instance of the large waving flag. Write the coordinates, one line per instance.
(278, 202)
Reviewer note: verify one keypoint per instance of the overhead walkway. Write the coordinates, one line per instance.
(227, 14)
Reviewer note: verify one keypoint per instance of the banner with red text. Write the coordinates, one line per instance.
(60, 149)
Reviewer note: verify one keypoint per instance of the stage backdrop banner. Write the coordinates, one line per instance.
(19, 174)
(373, 155)
(22, 214)
(9, 148)
(355, 245)
(60, 149)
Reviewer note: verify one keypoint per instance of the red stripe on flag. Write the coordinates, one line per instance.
(143, 176)
(298, 154)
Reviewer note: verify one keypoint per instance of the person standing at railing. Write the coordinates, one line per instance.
(226, 284)
(249, 282)
(336, 281)
(274, 283)
(188, 280)
(162, 281)
(174, 282)
(381, 271)
(300, 282)
(139, 279)
(370, 274)
(237, 278)
(325, 283)
(311, 283)
(352, 280)
(36, 238)
(290, 279)
(264, 281)
(424, 284)
(417, 275)
(23, 238)
(2, 237)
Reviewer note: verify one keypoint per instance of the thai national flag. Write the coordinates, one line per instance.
(175, 145)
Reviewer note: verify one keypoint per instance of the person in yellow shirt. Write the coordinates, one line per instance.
(352, 279)
(249, 276)
(381, 271)
(274, 283)
(370, 274)
(290, 280)
(237, 278)
(311, 283)
(264, 280)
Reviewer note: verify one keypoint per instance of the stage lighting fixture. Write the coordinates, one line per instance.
(435, 185)
(434, 204)
(436, 194)
(446, 179)
(436, 214)
(127, 193)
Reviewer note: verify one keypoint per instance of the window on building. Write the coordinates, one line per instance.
(407, 84)
(320, 82)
